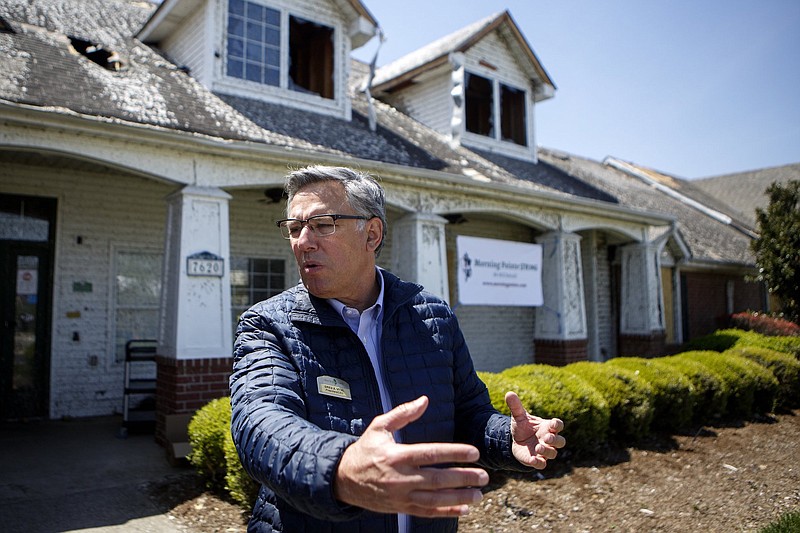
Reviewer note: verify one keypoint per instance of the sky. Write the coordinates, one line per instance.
(692, 88)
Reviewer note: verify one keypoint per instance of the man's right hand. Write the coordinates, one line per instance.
(385, 476)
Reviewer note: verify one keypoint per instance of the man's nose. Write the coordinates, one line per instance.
(307, 237)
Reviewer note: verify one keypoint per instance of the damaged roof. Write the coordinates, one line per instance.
(43, 66)
(406, 68)
(746, 191)
(709, 240)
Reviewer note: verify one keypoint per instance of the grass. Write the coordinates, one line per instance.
(787, 523)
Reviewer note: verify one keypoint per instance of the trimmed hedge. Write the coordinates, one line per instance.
(712, 390)
(674, 396)
(628, 397)
(785, 368)
(725, 339)
(242, 488)
(548, 391)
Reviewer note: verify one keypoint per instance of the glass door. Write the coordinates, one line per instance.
(25, 308)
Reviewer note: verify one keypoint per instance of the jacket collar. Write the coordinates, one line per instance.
(315, 310)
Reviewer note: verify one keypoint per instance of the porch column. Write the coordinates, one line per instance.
(641, 325)
(561, 333)
(195, 335)
(419, 251)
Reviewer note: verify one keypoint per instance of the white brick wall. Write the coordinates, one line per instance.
(498, 336)
(109, 211)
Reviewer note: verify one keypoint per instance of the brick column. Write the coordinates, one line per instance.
(561, 333)
(195, 337)
(642, 306)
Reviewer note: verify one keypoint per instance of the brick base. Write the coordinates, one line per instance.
(561, 352)
(652, 345)
(185, 385)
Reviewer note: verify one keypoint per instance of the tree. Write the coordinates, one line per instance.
(777, 248)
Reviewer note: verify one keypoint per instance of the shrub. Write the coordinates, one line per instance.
(207, 432)
(548, 391)
(785, 368)
(725, 339)
(711, 388)
(238, 482)
(673, 392)
(628, 397)
(751, 387)
(765, 324)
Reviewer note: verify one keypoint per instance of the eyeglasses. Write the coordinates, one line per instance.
(321, 225)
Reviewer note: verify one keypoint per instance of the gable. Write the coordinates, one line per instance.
(295, 53)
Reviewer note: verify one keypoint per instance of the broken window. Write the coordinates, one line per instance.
(254, 50)
(97, 53)
(512, 115)
(480, 110)
(310, 57)
(479, 105)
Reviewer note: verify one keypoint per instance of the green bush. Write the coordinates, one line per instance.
(725, 339)
(238, 483)
(548, 391)
(207, 432)
(745, 379)
(673, 392)
(711, 389)
(629, 397)
(785, 368)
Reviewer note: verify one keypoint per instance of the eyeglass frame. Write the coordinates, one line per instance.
(304, 223)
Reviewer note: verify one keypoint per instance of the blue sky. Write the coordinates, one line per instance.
(693, 88)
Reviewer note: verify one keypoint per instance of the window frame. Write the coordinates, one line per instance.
(277, 269)
(496, 123)
(285, 86)
(116, 252)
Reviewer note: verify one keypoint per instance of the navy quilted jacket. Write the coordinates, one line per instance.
(290, 438)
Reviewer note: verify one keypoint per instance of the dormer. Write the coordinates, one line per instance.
(478, 86)
(289, 52)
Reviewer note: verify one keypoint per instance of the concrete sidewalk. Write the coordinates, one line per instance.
(59, 476)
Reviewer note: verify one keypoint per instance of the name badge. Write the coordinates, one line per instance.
(331, 386)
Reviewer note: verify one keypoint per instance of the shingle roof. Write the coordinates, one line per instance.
(435, 53)
(42, 68)
(745, 191)
(708, 240)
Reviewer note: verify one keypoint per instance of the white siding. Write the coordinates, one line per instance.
(429, 102)
(188, 45)
(109, 211)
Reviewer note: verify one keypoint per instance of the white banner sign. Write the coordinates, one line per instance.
(493, 272)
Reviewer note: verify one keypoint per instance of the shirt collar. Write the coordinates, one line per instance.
(377, 306)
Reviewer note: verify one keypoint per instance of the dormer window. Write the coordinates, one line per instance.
(482, 114)
(272, 48)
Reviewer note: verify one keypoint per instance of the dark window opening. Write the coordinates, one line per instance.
(5, 27)
(310, 57)
(97, 53)
(479, 105)
(512, 115)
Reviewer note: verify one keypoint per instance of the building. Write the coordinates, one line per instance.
(142, 154)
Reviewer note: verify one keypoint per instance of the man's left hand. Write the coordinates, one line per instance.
(535, 440)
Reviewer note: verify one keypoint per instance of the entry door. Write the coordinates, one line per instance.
(25, 308)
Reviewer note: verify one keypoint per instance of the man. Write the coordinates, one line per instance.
(354, 399)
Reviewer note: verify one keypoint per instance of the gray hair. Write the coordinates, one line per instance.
(364, 194)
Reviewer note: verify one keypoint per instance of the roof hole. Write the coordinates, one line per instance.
(97, 53)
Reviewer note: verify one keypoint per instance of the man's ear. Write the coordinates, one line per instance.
(374, 233)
